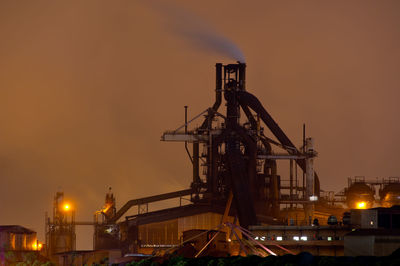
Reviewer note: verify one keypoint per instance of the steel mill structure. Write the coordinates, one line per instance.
(238, 156)
(60, 230)
(234, 161)
(247, 172)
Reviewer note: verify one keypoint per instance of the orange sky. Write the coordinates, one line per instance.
(88, 87)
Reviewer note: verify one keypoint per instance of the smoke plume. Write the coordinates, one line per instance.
(197, 32)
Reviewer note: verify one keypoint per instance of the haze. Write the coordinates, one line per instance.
(88, 87)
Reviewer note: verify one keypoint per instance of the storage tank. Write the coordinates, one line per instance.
(390, 195)
(359, 196)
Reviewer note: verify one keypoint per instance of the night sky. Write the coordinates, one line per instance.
(88, 87)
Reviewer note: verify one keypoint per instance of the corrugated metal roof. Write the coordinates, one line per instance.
(16, 229)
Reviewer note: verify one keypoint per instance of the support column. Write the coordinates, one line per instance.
(310, 191)
(196, 173)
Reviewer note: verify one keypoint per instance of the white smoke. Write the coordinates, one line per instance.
(196, 31)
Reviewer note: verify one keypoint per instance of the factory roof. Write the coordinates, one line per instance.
(394, 207)
(297, 227)
(173, 213)
(15, 229)
(375, 232)
(184, 211)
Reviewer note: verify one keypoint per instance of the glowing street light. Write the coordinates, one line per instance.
(66, 207)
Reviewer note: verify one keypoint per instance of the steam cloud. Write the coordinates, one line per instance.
(196, 31)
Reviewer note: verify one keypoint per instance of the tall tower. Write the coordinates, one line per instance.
(106, 233)
(60, 231)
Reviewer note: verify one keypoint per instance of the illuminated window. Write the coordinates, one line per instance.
(329, 238)
(304, 238)
(279, 238)
(313, 198)
(296, 238)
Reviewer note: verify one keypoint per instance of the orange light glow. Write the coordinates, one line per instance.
(67, 207)
(36, 246)
(361, 205)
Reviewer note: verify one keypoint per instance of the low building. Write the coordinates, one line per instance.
(317, 240)
(17, 238)
(164, 229)
(378, 232)
(87, 257)
(388, 218)
(371, 242)
(16, 242)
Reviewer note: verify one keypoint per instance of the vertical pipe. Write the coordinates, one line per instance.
(73, 244)
(195, 157)
(310, 168)
(291, 183)
(224, 77)
(196, 174)
(218, 97)
(304, 185)
(296, 181)
(46, 232)
(274, 189)
(218, 85)
(304, 150)
(231, 110)
(304, 138)
(242, 76)
(186, 120)
(309, 208)
(242, 81)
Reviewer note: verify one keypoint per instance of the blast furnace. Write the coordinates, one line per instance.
(232, 158)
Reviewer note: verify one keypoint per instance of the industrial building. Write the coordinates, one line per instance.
(17, 238)
(237, 187)
(15, 242)
(87, 257)
(377, 234)
(325, 240)
(371, 242)
(232, 157)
